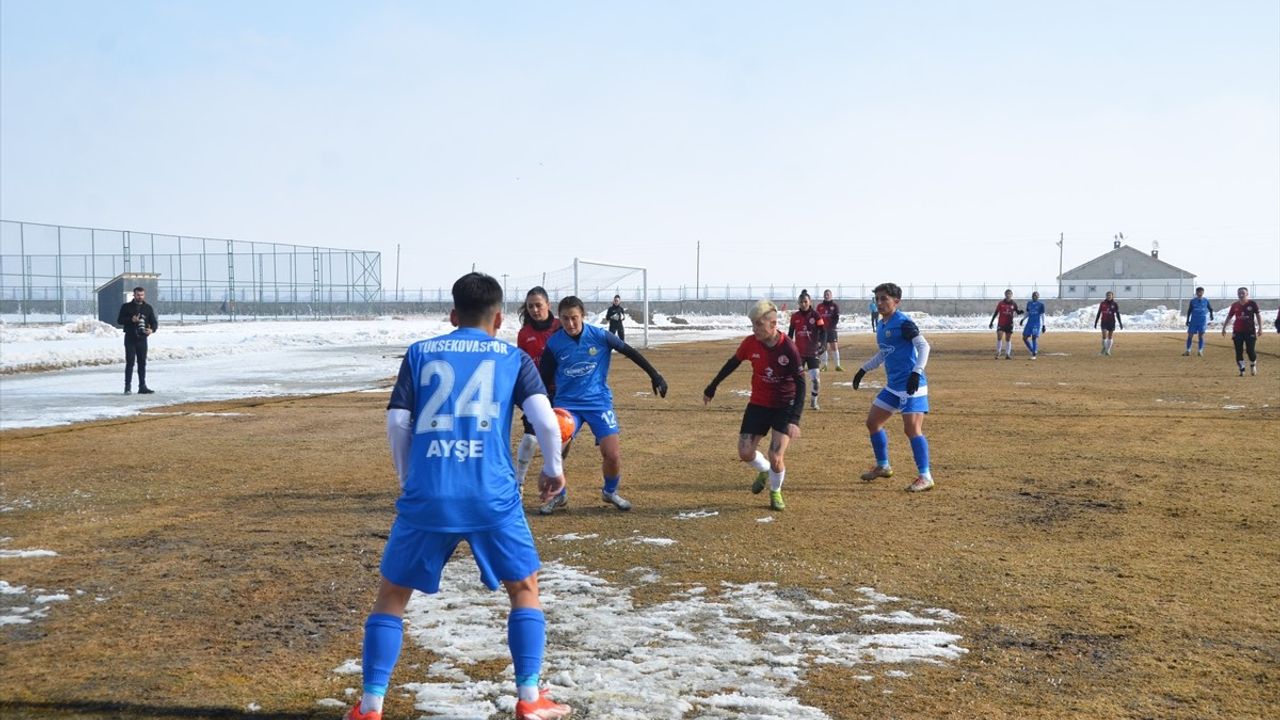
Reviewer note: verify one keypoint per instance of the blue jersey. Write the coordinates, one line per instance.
(582, 367)
(875, 314)
(894, 337)
(1198, 311)
(1035, 317)
(459, 390)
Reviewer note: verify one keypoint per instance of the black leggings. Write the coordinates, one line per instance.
(1242, 341)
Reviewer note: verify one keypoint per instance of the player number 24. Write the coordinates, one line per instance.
(474, 400)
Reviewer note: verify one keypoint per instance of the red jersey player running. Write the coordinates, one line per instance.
(1005, 310)
(1245, 331)
(808, 330)
(777, 398)
(1109, 314)
(536, 325)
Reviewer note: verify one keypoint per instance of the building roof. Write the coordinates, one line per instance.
(1137, 265)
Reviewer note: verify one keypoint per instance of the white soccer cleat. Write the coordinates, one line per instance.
(555, 503)
(615, 500)
(921, 484)
(813, 402)
(1200, 352)
(877, 471)
(1253, 369)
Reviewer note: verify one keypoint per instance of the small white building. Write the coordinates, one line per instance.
(1129, 273)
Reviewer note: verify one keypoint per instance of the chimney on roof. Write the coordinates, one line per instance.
(1155, 250)
(1116, 245)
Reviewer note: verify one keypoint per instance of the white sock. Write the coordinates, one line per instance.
(760, 464)
(1109, 341)
(999, 346)
(823, 357)
(370, 703)
(527, 693)
(813, 375)
(776, 478)
(524, 456)
(837, 357)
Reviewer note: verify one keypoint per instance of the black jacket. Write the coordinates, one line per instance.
(614, 315)
(125, 319)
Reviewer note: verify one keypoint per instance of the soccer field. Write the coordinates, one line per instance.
(1102, 542)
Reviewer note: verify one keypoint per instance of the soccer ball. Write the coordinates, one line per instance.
(567, 425)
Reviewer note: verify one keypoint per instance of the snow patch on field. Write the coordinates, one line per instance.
(728, 651)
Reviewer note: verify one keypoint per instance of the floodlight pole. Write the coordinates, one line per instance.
(644, 280)
(1060, 240)
(697, 271)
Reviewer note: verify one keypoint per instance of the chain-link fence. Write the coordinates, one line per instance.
(54, 270)
(1149, 290)
(50, 272)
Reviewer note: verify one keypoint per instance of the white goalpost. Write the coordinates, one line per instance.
(592, 281)
(578, 267)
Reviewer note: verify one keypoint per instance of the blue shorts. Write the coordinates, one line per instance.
(1196, 328)
(889, 400)
(603, 421)
(415, 558)
(1029, 331)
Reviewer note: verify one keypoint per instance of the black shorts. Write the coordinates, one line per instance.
(1005, 328)
(759, 420)
(1109, 326)
(810, 363)
(832, 336)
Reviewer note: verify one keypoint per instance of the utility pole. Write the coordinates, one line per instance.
(697, 271)
(1060, 239)
(504, 292)
(397, 272)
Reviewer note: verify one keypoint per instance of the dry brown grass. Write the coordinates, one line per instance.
(1107, 530)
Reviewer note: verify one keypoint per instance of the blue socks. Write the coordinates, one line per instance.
(920, 451)
(526, 637)
(880, 446)
(611, 483)
(383, 635)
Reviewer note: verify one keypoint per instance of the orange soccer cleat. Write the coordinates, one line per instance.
(544, 708)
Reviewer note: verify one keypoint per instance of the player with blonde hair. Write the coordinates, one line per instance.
(777, 398)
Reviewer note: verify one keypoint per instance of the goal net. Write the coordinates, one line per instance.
(593, 282)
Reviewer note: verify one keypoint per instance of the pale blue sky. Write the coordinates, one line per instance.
(800, 142)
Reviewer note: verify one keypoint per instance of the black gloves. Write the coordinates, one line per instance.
(659, 386)
(913, 383)
(857, 378)
(710, 391)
